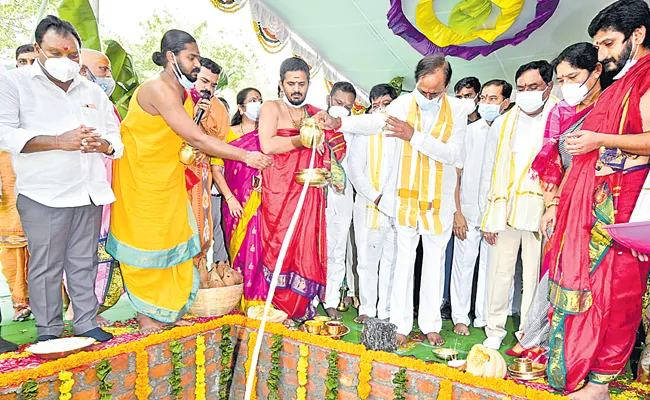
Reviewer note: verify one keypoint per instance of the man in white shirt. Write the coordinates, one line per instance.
(374, 231)
(428, 129)
(515, 200)
(338, 214)
(57, 126)
(468, 243)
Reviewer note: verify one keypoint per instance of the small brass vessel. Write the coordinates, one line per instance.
(311, 135)
(314, 327)
(187, 154)
(317, 176)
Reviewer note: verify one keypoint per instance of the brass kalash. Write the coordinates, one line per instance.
(187, 154)
(311, 135)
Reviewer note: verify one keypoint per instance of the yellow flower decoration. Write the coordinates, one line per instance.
(247, 365)
(365, 367)
(303, 364)
(446, 390)
(142, 388)
(66, 385)
(199, 387)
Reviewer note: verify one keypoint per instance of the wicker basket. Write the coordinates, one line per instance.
(214, 302)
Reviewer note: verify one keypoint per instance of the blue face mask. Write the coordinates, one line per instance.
(182, 79)
(107, 84)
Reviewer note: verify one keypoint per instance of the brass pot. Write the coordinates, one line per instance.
(317, 176)
(311, 135)
(187, 154)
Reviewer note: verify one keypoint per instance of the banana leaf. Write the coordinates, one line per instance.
(124, 74)
(80, 14)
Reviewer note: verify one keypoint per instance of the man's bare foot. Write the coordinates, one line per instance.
(183, 322)
(69, 313)
(435, 339)
(401, 340)
(333, 313)
(361, 319)
(461, 329)
(591, 391)
(148, 325)
(102, 322)
(22, 315)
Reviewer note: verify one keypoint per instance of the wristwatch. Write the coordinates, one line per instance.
(110, 151)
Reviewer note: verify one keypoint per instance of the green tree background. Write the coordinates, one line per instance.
(239, 63)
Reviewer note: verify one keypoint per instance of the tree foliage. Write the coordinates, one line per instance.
(18, 22)
(238, 63)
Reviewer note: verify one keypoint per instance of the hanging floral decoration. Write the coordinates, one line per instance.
(29, 390)
(103, 370)
(275, 374)
(365, 367)
(446, 390)
(332, 381)
(199, 386)
(303, 363)
(66, 385)
(229, 6)
(252, 338)
(400, 380)
(225, 377)
(176, 348)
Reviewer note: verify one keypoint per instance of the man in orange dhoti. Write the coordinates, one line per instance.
(596, 285)
(303, 274)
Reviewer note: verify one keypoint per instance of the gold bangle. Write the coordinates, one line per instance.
(551, 204)
(228, 199)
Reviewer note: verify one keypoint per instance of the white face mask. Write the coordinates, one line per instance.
(253, 110)
(62, 69)
(574, 93)
(106, 83)
(489, 112)
(424, 103)
(628, 64)
(182, 79)
(469, 104)
(290, 104)
(531, 101)
(338, 112)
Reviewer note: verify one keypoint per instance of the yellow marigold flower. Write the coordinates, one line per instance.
(304, 350)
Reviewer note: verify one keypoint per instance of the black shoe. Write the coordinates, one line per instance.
(445, 311)
(6, 346)
(98, 334)
(43, 338)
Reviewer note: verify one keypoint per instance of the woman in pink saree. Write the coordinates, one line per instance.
(240, 187)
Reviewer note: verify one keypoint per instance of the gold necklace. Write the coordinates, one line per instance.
(241, 127)
(298, 124)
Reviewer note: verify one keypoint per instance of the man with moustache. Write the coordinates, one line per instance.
(304, 271)
(338, 214)
(150, 187)
(58, 126)
(596, 285)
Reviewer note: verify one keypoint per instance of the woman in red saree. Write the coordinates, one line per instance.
(578, 75)
(596, 285)
(240, 186)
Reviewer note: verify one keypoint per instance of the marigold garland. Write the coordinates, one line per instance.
(303, 363)
(332, 381)
(365, 367)
(199, 387)
(29, 390)
(103, 369)
(66, 385)
(225, 376)
(446, 390)
(275, 374)
(252, 338)
(143, 389)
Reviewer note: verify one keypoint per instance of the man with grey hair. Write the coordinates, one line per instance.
(425, 130)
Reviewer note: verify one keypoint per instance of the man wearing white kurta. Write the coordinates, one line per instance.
(515, 200)
(338, 214)
(375, 234)
(428, 129)
(469, 244)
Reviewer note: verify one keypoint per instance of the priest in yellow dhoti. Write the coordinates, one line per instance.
(426, 130)
(153, 231)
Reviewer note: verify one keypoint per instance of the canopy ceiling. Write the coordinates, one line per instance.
(353, 37)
